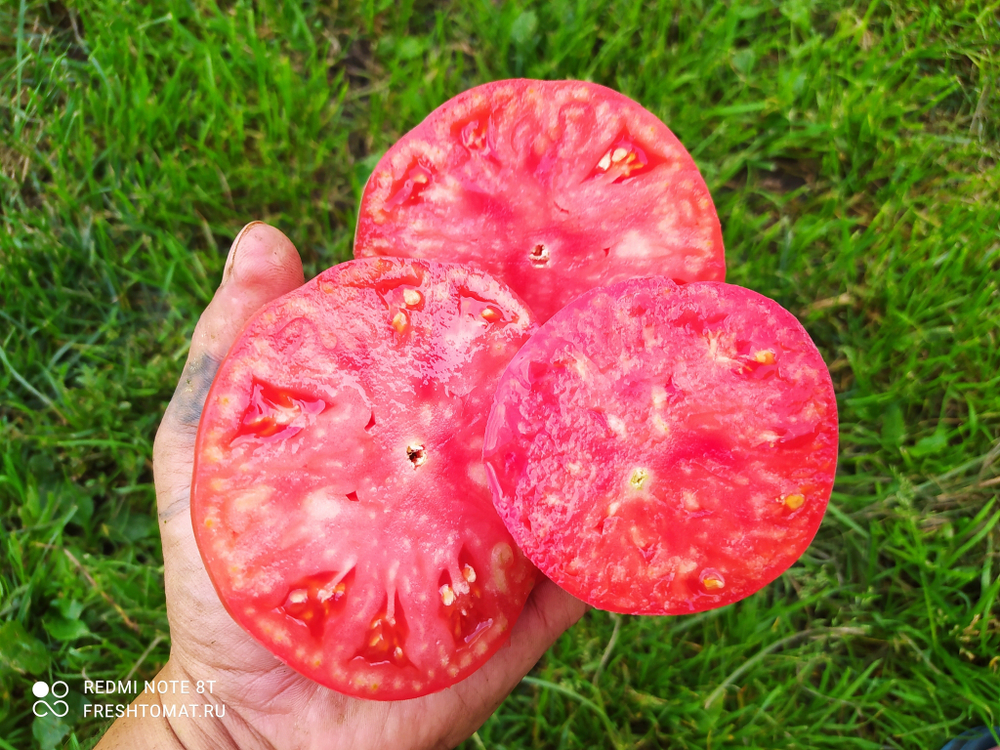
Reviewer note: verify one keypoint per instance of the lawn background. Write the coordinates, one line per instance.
(852, 154)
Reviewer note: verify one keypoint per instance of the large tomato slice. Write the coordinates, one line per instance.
(663, 449)
(340, 501)
(554, 187)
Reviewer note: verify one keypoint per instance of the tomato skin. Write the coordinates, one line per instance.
(664, 449)
(553, 187)
(339, 500)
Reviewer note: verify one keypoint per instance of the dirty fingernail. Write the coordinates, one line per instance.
(231, 258)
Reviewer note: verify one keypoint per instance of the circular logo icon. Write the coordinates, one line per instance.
(58, 689)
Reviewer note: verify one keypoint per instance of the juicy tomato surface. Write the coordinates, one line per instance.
(664, 449)
(554, 187)
(340, 500)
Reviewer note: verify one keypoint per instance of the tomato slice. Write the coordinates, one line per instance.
(340, 501)
(554, 187)
(664, 449)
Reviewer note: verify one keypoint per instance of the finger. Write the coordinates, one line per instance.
(262, 266)
(547, 614)
(550, 611)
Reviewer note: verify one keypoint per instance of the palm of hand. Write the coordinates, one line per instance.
(267, 703)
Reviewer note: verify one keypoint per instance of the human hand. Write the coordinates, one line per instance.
(267, 704)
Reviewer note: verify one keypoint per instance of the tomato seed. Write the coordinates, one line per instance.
(447, 595)
(712, 579)
(794, 502)
(400, 321)
(638, 478)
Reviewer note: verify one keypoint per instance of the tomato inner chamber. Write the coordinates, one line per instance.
(386, 637)
(313, 599)
(276, 413)
(417, 178)
(625, 159)
(460, 604)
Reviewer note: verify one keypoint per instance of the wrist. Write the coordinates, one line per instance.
(174, 715)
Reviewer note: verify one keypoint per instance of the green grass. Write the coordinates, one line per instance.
(853, 155)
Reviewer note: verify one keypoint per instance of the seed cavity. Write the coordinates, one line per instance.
(416, 454)
(315, 598)
(275, 413)
(491, 314)
(409, 188)
(386, 637)
(624, 159)
(539, 255)
(474, 135)
(476, 307)
(712, 580)
(759, 365)
(460, 602)
(371, 423)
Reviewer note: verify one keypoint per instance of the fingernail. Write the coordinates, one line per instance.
(231, 258)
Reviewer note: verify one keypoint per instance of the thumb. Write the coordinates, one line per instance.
(262, 266)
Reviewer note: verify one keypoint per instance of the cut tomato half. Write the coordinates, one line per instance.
(664, 449)
(340, 501)
(554, 187)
